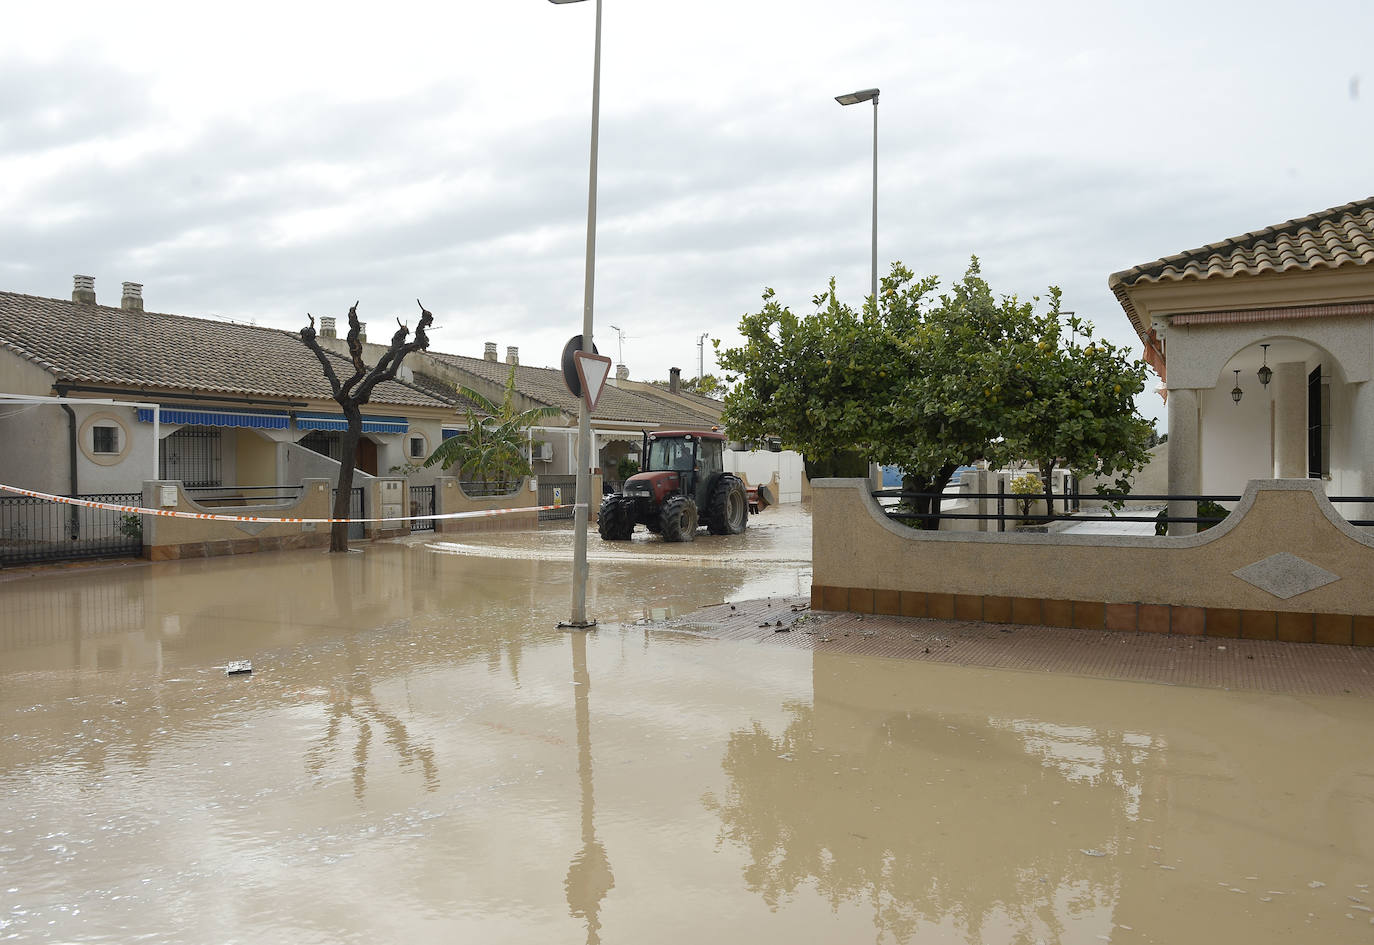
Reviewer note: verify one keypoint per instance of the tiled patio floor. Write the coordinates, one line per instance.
(1303, 668)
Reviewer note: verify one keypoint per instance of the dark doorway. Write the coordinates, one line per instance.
(367, 456)
(1317, 413)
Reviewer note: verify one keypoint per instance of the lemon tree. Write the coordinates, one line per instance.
(1068, 400)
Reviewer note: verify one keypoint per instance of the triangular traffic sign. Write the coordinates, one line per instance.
(592, 370)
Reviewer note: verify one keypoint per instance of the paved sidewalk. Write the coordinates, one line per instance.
(1300, 668)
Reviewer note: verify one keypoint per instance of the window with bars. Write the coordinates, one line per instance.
(192, 454)
(104, 439)
(324, 443)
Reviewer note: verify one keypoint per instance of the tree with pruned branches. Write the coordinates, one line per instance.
(353, 393)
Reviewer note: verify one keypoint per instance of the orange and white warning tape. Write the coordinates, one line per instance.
(266, 520)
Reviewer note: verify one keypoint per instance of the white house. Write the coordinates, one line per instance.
(1265, 344)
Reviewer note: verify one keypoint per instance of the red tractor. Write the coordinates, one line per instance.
(684, 472)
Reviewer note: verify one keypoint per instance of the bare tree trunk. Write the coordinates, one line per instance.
(934, 487)
(343, 497)
(352, 393)
(1047, 480)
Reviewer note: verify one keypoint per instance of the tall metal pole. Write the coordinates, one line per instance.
(584, 418)
(875, 202)
(854, 98)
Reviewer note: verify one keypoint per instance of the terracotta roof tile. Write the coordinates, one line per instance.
(99, 345)
(1340, 236)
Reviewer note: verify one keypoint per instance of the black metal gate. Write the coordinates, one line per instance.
(422, 503)
(557, 490)
(36, 530)
(356, 529)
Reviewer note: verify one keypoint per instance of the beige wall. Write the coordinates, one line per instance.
(856, 546)
(449, 497)
(256, 463)
(167, 538)
(20, 376)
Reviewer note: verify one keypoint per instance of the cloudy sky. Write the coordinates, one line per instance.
(263, 160)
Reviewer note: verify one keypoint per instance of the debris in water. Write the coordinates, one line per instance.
(1315, 884)
(238, 668)
(1093, 852)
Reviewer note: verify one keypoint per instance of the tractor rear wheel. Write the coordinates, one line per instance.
(678, 519)
(728, 512)
(615, 522)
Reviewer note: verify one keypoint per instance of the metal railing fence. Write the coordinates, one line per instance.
(1069, 504)
(36, 530)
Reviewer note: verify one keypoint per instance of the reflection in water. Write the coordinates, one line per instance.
(936, 817)
(589, 875)
(357, 704)
(146, 796)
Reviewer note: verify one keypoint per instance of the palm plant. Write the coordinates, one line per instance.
(493, 448)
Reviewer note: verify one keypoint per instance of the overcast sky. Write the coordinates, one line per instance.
(260, 161)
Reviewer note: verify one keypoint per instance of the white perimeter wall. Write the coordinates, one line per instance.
(758, 466)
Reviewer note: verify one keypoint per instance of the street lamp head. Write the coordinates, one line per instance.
(853, 98)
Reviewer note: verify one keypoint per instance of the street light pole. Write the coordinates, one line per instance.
(584, 417)
(853, 98)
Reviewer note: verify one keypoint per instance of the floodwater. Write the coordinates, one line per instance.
(419, 755)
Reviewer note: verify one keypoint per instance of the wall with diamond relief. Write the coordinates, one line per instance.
(1283, 550)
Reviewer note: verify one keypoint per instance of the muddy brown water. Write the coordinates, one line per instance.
(419, 755)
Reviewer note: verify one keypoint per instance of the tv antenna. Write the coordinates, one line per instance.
(620, 344)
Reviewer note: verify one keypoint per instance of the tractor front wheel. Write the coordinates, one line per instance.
(678, 519)
(615, 521)
(728, 512)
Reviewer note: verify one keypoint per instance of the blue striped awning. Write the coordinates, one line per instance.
(265, 420)
(337, 421)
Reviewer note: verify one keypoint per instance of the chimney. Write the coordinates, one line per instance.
(674, 379)
(490, 353)
(328, 327)
(133, 297)
(362, 332)
(512, 354)
(622, 373)
(83, 289)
